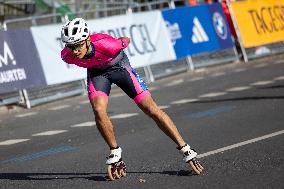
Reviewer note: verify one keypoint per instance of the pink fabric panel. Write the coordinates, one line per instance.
(135, 81)
(141, 96)
(140, 91)
(94, 93)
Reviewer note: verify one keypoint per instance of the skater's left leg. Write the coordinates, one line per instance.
(164, 122)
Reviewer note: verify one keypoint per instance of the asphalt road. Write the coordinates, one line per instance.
(231, 114)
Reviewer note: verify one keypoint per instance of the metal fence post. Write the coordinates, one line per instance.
(190, 63)
(237, 31)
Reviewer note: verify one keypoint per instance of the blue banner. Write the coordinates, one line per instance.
(19, 62)
(198, 29)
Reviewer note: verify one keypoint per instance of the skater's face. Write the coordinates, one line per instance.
(79, 50)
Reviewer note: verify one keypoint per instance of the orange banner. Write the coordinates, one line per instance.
(260, 21)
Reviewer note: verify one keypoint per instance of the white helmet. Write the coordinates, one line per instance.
(75, 31)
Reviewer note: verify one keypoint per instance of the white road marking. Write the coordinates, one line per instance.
(279, 62)
(240, 88)
(262, 83)
(212, 94)
(152, 88)
(85, 124)
(175, 82)
(59, 107)
(259, 65)
(164, 107)
(183, 101)
(85, 102)
(47, 133)
(196, 79)
(117, 95)
(279, 78)
(120, 116)
(239, 70)
(218, 74)
(13, 141)
(240, 144)
(26, 114)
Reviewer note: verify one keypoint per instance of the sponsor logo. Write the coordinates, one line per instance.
(220, 25)
(198, 33)
(174, 32)
(7, 55)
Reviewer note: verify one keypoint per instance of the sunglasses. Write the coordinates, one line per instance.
(75, 47)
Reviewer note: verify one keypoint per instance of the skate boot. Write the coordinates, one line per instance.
(189, 156)
(115, 166)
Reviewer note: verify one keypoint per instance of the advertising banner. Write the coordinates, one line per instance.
(260, 22)
(48, 43)
(19, 63)
(150, 43)
(198, 29)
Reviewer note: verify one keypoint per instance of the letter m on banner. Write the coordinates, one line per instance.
(7, 53)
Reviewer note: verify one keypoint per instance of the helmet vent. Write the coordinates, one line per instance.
(84, 35)
(66, 32)
(86, 30)
(76, 23)
(74, 31)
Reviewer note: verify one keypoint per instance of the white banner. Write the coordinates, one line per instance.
(49, 46)
(150, 43)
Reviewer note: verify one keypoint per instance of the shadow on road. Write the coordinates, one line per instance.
(88, 176)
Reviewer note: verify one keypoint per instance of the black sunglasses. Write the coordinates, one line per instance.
(75, 47)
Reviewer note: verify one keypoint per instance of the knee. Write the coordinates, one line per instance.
(99, 109)
(152, 112)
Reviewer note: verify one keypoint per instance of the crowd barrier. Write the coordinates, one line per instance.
(260, 26)
(162, 43)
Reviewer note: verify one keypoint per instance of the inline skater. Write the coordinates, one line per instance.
(106, 63)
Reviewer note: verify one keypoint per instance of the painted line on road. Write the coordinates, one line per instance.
(183, 101)
(279, 62)
(85, 124)
(240, 88)
(260, 65)
(239, 70)
(12, 141)
(152, 88)
(120, 116)
(37, 155)
(59, 107)
(162, 107)
(240, 144)
(175, 82)
(196, 79)
(26, 114)
(47, 133)
(212, 94)
(117, 95)
(85, 102)
(211, 112)
(279, 78)
(218, 74)
(262, 83)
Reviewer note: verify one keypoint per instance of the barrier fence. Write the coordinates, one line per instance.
(172, 40)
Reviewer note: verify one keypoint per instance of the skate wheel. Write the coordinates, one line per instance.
(122, 173)
(112, 173)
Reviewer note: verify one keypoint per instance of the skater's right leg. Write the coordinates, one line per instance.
(104, 125)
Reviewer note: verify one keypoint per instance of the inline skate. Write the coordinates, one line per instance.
(189, 156)
(116, 168)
